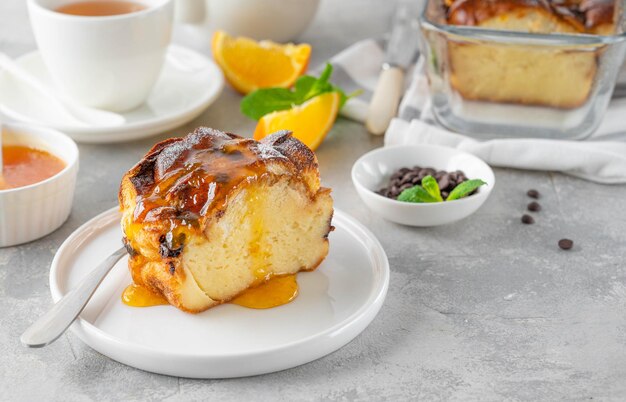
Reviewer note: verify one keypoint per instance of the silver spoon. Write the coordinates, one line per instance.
(57, 320)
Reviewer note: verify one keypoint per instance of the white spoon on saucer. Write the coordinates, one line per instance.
(82, 114)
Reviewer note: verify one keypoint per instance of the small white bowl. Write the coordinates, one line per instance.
(30, 212)
(372, 171)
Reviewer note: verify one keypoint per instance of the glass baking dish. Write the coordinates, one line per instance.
(564, 82)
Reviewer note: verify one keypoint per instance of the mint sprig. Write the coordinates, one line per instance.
(267, 100)
(429, 191)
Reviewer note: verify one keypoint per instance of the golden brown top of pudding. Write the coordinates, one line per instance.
(583, 16)
(181, 180)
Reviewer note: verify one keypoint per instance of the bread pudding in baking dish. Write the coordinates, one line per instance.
(524, 74)
(211, 215)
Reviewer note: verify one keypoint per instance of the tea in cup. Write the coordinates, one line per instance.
(105, 54)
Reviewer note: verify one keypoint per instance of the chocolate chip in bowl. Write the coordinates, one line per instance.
(413, 185)
(405, 178)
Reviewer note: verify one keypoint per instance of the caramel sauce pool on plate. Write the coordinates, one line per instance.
(277, 291)
(139, 296)
(23, 166)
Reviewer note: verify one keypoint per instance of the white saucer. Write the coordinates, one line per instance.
(336, 302)
(188, 84)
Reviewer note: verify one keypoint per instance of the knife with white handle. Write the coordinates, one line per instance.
(401, 51)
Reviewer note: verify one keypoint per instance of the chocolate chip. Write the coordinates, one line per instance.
(534, 206)
(444, 181)
(527, 219)
(533, 193)
(172, 267)
(566, 244)
(167, 252)
(406, 179)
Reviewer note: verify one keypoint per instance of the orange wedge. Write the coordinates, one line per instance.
(310, 122)
(250, 65)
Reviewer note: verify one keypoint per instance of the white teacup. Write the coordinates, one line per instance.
(276, 20)
(109, 62)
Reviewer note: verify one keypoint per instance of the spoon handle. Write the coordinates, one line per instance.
(58, 319)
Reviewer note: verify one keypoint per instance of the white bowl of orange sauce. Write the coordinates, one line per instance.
(39, 167)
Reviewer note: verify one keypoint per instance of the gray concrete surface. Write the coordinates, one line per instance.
(486, 309)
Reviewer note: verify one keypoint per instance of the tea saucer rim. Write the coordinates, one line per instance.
(137, 129)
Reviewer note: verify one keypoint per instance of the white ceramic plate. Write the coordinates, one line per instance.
(188, 84)
(336, 302)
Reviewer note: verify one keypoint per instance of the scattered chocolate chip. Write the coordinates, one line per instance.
(534, 206)
(172, 267)
(566, 244)
(527, 219)
(533, 193)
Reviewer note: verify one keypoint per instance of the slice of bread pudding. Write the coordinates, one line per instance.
(210, 215)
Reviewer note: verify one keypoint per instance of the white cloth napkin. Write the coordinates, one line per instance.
(600, 158)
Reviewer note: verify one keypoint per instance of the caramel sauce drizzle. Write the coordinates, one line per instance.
(277, 291)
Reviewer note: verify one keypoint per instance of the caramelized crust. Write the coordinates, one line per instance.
(582, 16)
(183, 179)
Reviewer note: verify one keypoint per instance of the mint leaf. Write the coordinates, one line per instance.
(259, 103)
(267, 100)
(416, 194)
(432, 187)
(464, 189)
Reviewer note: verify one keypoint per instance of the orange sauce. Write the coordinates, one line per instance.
(277, 291)
(139, 296)
(22, 166)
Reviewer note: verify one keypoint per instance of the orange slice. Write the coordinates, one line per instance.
(310, 122)
(250, 65)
